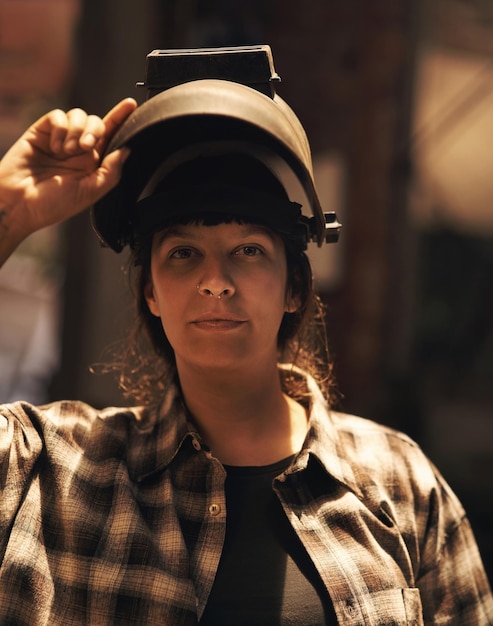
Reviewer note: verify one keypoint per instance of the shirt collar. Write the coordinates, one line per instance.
(160, 434)
(323, 441)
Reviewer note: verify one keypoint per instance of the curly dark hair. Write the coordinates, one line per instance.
(146, 364)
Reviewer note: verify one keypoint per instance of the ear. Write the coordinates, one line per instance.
(293, 303)
(150, 298)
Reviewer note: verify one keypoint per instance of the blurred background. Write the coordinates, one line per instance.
(397, 101)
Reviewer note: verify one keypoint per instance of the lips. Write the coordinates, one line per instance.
(214, 321)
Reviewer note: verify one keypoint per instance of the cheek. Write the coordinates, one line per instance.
(170, 305)
(275, 297)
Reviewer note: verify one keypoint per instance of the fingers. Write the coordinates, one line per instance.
(84, 131)
(115, 118)
(109, 172)
(73, 132)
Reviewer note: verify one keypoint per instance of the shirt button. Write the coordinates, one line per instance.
(350, 607)
(196, 444)
(214, 509)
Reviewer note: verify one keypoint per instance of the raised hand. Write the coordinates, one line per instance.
(55, 171)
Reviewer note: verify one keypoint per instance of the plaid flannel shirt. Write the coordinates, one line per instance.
(118, 517)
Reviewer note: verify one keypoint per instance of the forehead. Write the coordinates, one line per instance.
(198, 229)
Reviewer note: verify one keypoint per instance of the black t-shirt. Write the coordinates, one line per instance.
(265, 577)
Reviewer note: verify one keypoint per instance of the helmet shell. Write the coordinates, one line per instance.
(188, 120)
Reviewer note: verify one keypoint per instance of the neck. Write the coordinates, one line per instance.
(245, 420)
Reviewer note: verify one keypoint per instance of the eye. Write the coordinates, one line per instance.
(181, 253)
(249, 250)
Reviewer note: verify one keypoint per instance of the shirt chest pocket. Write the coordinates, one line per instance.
(391, 607)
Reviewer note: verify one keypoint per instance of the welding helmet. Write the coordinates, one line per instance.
(206, 104)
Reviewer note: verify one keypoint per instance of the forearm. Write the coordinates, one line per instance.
(11, 231)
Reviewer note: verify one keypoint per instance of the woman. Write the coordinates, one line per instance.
(236, 496)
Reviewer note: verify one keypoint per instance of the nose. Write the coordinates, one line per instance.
(215, 282)
(207, 291)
